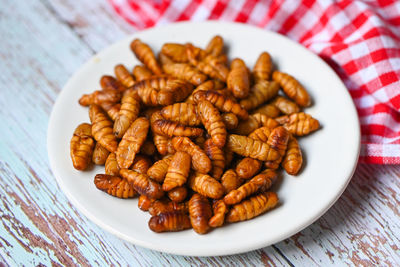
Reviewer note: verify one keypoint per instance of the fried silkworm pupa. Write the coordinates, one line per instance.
(248, 147)
(141, 73)
(123, 75)
(212, 121)
(230, 120)
(102, 128)
(230, 181)
(205, 185)
(185, 72)
(219, 211)
(141, 164)
(163, 206)
(81, 146)
(130, 107)
(263, 67)
(293, 158)
(263, 180)
(269, 109)
(111, 109)
(170, 129)
(100, 154)
(144, 53)
(248, 167)
(144, 202)
(142, 184)
(261, 134)
(292, 88)
(176, 52)
(183, 113)
(252, 207)
(217, 158)
(160, 169)
(178, 194)
(169, 222)
(200, 161)
(114, 185)
(99, 97)
(260, 93)
(278, 140)
(111, 166)
(216, 46)
(108, 82)
(221, 102)
(285, 105)
(131, 142)
(255, 121)
(178, 171)
(299, 124)
(200, 213)
(238, 79)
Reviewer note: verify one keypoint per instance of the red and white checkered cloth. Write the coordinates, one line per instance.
(359, 39)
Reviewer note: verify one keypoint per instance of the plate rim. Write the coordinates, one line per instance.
(188, 252)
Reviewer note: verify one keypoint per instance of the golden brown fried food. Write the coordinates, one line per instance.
(102, 128)
(159, 169)
(99, 97)
(230, 181)
(108, 82)
(248, 147)
(114, 185)
(299, 124)
(144, 202)
(169, 222)
(144, 53)
(171, 128)
(141, 164)
(217, 158)
(292, 88)
(252, 207)
(269, 109)
(131, 142)
(278, 140)
(261, 134)
(263, 180)
(100, 154)
(178, 194)
(178, 171)
(219, 210)
(81, 146)
(161, 143)
(248, 167)
(199, 212)
(123, 75)
(212, 121)
(112, 167)
(185, 72)
(142, 184)
(130, 107)
(285, 105)
(263, 67)
(180, 89)
(230, 120)
(293, 158)
(200, 161)
(255, 121)
(223, 103)
(216, 46)
(141, 73)
(260, 93)
(176, 52)
(184, 113)
(111, 109)
(148, 148)
(205, 185)
(163, 206)
(238, 79)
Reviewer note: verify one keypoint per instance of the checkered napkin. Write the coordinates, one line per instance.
(360, 40)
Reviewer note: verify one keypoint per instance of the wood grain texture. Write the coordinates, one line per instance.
(43, 43)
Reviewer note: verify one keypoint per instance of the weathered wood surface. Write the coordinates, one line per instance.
(43, 43)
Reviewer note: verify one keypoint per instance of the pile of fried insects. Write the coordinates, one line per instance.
(198, 141)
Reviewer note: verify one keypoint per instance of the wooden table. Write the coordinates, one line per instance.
(42, 44)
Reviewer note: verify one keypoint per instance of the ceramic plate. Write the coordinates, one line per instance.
(330, 154)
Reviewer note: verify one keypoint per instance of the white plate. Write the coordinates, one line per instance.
(330, 154)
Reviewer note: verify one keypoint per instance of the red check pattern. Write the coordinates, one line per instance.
(360, 40)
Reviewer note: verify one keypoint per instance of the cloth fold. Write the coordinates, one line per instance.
(360, 40)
